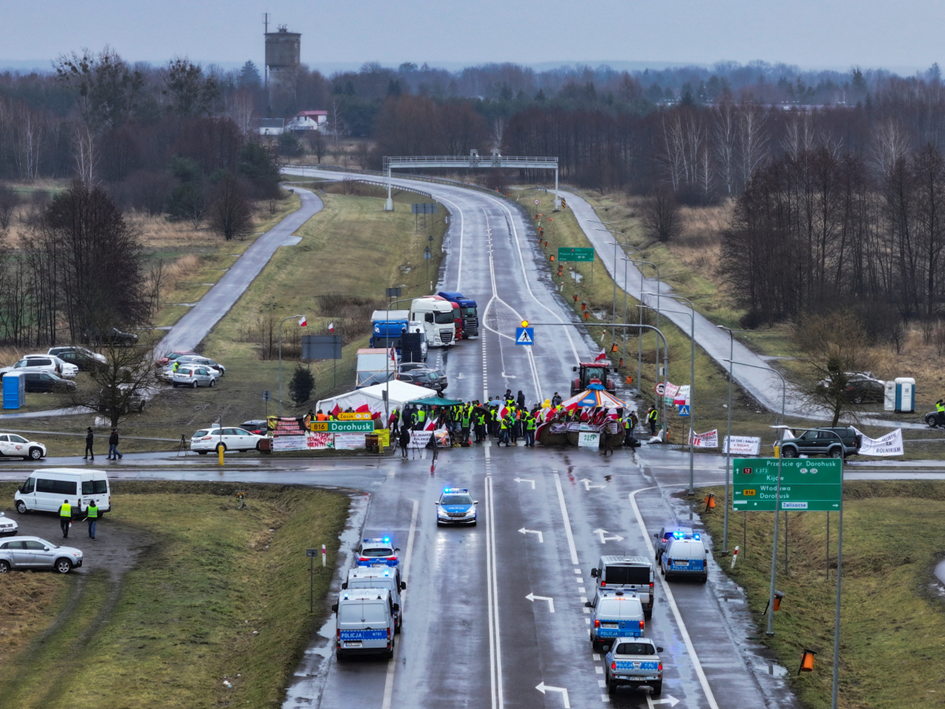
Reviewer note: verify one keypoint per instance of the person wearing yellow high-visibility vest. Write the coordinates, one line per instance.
(65, 518)
(91, 513)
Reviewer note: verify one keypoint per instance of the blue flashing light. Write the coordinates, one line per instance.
(696, 536)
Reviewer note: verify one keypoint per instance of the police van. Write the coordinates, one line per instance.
(615, 615)
(685, 557)
(632, 574)
(364, 623)
(44, 490)
(381, 576)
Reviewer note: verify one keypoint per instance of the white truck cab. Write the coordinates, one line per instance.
(436, 315)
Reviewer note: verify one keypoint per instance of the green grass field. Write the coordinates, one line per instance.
(892, 619)
(216, 593)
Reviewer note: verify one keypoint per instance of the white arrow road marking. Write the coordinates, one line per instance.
(508, 376)
(541, 537)
(551, 603)
(588, 485)
(668, 699)
(606, 536)
(548, 688)
(524, 480)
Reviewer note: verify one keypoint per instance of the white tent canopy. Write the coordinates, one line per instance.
(400, 393)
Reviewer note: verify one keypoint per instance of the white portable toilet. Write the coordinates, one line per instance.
(905, 395)
(889, 396)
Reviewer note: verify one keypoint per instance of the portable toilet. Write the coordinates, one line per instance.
(889, 395)
(905, 395)
(14, 391)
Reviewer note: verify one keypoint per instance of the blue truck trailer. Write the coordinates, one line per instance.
(469, 310)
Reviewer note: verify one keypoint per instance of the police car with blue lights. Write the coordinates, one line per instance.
(615, 615)
(375, 551)
(633, 662)
(668, 534)
(455, 506)
(364, 623)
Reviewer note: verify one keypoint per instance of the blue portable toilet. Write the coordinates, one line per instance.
(905, 395)
(14, 391)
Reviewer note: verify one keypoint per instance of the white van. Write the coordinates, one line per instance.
(632, 574)
(361, 577)
(44, 490)
(685, 557)
(364, 623)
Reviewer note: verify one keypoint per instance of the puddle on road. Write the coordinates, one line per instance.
(770, 668)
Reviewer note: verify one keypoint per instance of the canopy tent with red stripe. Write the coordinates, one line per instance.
(595, 395)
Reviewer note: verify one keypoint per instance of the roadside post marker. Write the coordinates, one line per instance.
(734, 558)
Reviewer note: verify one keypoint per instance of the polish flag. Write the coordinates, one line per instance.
(331, 327)
(303, 322)
(601, 356)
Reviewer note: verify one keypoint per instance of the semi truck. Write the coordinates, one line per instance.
(469, 310)
(394, 328)
(435, 314)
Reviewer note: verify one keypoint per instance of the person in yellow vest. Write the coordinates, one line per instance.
(65, 518)
(421, 419)
(91, 514)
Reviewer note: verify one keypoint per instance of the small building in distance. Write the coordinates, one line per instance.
(308, 120)
(271, 126)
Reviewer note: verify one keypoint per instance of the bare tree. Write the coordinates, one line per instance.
(336, 122)
(8, 204)
(660, 215)
(231, 212)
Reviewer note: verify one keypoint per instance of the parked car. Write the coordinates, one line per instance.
(193, 375)
(858, 387)
(13, 445)
(44, 382)
(83, 358)
(258, 426)
(43, 363)
(834, 442)
(171, 356)
(36, 553)
(231, 439)
(113, 336)
(205, 361)
(125, 397)
(425, 378)
(8, 527)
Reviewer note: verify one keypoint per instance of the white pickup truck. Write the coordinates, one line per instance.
(633, 662)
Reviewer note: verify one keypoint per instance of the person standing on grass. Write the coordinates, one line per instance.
(91, 513)
(113, 453)
(65, 518)
(89, 438)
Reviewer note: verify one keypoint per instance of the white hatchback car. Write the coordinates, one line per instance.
(13, 445)
(8, 527)
(192, 375)
(231, 439)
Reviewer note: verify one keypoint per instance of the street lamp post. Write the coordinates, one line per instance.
(728, 436)
(777, 502)
(280, 357)
(692, 382)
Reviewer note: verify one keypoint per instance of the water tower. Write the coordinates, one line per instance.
(283, 49)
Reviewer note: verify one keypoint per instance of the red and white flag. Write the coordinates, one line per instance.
(601, 356)
(331, 327)
(303, 322)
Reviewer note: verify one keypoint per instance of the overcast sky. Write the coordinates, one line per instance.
(903, 36)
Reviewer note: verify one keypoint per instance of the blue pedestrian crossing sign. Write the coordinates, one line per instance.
(684, 410)
(524, 336)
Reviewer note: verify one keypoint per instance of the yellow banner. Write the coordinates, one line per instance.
(354, 416)
(383, 437)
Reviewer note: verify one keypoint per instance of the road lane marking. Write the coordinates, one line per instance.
(567, 520)
(391, 666)
(606, 536)
(700, 673)
(495, 645)
(523, 480)
(541, 537)
(560, 690)
(551, 602)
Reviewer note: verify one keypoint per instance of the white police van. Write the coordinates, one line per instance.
(362, 577)
(685, 557)
(364, 623)
(615, 615)
(631, 574)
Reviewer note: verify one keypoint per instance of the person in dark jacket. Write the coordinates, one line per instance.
(520, 399)
(404, 441)
(113, 453)
(89, 438)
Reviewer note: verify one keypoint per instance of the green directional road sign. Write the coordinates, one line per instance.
(568, 254)
(806, 485)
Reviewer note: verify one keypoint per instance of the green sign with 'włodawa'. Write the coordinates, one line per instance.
(806, 485)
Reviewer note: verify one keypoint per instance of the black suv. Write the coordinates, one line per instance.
(857, 387)
(823, 441)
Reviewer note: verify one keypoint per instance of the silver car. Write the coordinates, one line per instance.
(204, 361)
(193, 375)
(37, 553)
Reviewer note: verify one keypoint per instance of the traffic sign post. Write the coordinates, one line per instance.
(524, 335)
(806, 485)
